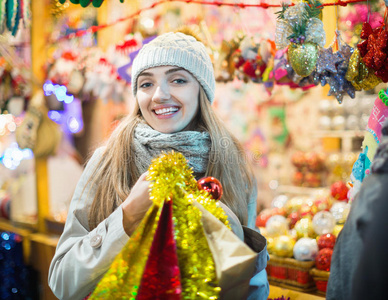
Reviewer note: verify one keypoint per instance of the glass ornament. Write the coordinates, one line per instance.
(276, 225)
(305, 249)
(323, 222)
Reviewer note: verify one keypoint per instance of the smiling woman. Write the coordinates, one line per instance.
(173, 82)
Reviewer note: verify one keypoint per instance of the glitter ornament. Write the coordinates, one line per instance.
(305, 249)
(339, 191)
(212, 186)
(323, 259)
(283, 246)
(304, 228)
(323, 222)
(361, 77)
(326, 241)
(340, 211)
(276, 225)
(373, 49)
(303, 58)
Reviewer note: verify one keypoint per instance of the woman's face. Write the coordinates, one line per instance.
(168, 98)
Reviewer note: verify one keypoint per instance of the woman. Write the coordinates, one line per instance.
(173, 82)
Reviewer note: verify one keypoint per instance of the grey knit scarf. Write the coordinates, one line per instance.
(149, 144)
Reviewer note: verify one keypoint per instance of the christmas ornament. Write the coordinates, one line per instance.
(326, 241)
(300, 26)
(304, 228)
(212, 186)
(305, 249)
(294, 204)
(283, 246)
(323, 222)
(340, 211)
(323, 259)
(331, 69)
(276, 225)
(361, 77)
(339, 190)
(373, 49)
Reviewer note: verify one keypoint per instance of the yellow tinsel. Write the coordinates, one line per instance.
(170, 180)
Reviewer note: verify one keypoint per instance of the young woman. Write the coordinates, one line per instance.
(173, 82)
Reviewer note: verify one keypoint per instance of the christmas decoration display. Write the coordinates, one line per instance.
(170, 239)
(300, 28)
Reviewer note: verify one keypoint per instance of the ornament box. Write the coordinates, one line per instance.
(320, 278)
(291, 273)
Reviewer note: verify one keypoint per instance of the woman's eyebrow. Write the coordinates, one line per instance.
(173, 70)
(146, 74)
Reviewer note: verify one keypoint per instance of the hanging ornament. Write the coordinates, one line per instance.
(373, 49)
(300, 26)
(332, 67)
(361, 77)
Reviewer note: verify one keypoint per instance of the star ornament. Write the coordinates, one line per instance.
(328, 61)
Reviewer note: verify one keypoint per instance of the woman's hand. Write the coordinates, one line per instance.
(136, 204)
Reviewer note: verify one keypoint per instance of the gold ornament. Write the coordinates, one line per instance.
(283, 246)
(303, 57)
(304, 228)
(361, 77)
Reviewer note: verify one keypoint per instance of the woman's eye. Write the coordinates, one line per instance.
(179, 81)
(145, 85)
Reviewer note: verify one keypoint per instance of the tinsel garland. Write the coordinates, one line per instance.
(170, 180)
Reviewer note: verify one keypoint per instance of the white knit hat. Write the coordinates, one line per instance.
(176, 49)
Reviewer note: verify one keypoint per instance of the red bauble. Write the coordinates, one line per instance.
(298, 159)
(339, 191)
(323, 259)
(263, 217)
(366, 31)
(212, 186)
(326, 241)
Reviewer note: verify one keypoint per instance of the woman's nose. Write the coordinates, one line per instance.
(161, 93)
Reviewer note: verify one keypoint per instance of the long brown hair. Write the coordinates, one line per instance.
(116, 172)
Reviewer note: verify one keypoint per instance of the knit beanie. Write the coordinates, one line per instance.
(176, 49)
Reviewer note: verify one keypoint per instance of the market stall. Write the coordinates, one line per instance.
(302, 86)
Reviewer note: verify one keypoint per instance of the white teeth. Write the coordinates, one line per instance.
(166, 111)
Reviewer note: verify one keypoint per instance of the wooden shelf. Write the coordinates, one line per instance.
(298, 190)
(339, 133)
